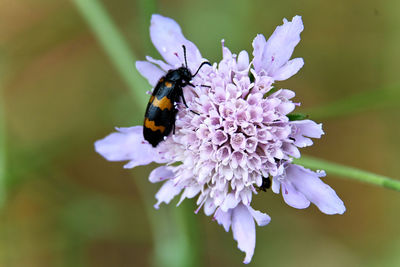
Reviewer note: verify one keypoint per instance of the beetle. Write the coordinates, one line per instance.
(266, 184)
(161, 111)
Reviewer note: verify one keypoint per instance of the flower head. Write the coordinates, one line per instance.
(239, 133)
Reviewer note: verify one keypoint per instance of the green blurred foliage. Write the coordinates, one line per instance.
(66, 206)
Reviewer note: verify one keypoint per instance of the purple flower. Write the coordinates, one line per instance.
(242, 132)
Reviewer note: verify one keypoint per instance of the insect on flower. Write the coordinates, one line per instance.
(161, 110)
(266, 184)
(243, 140)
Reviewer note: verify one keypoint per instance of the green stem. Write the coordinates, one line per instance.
(115, 47)
(357, 103)
(174, 233)
(174, 230)
(349, 172)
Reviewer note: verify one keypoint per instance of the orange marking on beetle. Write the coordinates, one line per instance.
(163, 103)
(168, 84)
(151, 98)
(161, 80)
(151, 125)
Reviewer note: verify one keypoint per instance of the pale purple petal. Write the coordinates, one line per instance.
(285, 93)
(280, 45)
(292, 197)
(250, 129)
(150, 71)
(261, 219)
(167, 37)
(238, 141)
(164, 66)
(286, 107)
(291, 150)
(229, 126)
(192, 191)
(237, 158)
(243, 60)
(189, 192)
(209, 207)
(303, 129)
(244, 231)
(276, 185)
(219, 137)
(251, 144)
(223, 218)
(246, 194)
(289, 69)
(310, 185)
(258, 49)
(309, 128)
(161, 173)
(230, 202)
(128, 144)
(167, 192)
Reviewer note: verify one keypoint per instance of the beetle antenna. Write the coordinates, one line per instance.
(184, 54)
(201, 65)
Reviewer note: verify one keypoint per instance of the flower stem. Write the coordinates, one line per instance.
(357, 103)
(115, 47)
(349, 172)
(173, 230)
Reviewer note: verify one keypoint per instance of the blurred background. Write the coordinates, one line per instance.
(64, 205)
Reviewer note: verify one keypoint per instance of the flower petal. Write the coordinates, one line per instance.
(261, 219)
(289, 69)
(167, 37)
(259, 43)
(223, 218)
(161, 173)
(160, 63)
(150, 71)
(128, 144)
(291, 150)
(310, 185)
(279, 47)
(243, 60)
(304, 129)
(258, 49)
(209, 207)
(189, 192)
(276, 185)
(244, 231)
(230, 202)
(292, 197)
(284, 93)
(167, 192)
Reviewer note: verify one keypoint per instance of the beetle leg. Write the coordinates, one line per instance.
(184, 101)
(183, 98)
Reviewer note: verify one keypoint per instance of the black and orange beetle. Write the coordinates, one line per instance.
(159, 119)
(266, 184)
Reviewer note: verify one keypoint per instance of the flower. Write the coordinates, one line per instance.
(239, 133)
